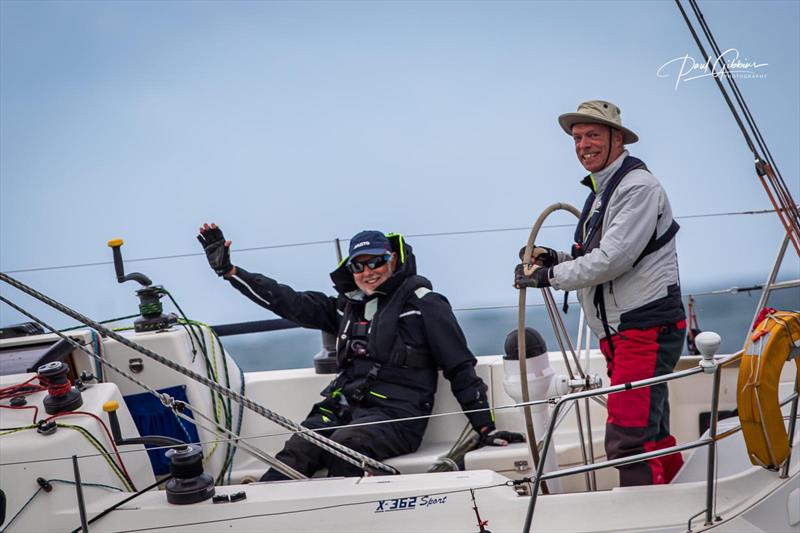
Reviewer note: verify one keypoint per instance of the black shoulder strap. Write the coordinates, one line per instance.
(593, 229)
(657, 243)
(384, 324)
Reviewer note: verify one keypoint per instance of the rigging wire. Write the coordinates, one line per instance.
(240, 413)
(784, 202)
(307, 430)
(733, 290)
(210, 365)
(312, 243)
(329, 445)
(735, 88)
(164, 398)
(777, 181)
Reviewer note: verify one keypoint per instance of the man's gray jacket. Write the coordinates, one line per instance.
(640, 296)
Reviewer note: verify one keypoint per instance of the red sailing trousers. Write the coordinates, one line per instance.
(638, 420)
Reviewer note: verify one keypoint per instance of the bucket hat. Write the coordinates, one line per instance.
(597, 112)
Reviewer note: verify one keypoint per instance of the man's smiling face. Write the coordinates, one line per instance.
(596, 145)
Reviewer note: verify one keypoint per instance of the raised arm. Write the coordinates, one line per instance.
(309, 309)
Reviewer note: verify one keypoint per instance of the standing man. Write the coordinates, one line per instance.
(624, 267)
(392, 332)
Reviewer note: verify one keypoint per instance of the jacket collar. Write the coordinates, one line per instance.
(597, 181)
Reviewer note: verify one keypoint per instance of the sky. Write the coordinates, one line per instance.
(303, 122)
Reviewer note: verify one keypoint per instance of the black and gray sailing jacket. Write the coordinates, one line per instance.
(640, 286)
(390, 345)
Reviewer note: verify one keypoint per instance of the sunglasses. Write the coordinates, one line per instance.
(372, 264)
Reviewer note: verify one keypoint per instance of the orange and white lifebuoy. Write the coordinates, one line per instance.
(772, 343)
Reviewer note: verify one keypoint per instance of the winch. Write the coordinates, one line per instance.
(153, 317)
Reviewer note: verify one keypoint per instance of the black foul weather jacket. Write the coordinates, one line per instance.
(390, 345)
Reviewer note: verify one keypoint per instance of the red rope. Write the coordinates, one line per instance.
(20, 389)
(108, 434)
(35, 409)
(56, 390)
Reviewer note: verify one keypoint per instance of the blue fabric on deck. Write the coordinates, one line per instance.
(153, 418)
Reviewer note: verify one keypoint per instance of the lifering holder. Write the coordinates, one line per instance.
(772, 343)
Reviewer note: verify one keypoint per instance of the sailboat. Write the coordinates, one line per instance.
(157, 429)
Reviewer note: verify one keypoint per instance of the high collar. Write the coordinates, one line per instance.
(597, 181)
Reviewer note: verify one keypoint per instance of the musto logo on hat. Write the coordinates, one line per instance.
(368, 242)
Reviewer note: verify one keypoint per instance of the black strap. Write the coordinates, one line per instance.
(591, 237)
(657, 243)
(600, 306)
(406, 356)
(358, 393)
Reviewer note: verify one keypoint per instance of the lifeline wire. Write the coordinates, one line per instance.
(342, 452)
(312, 243)
(307, 430)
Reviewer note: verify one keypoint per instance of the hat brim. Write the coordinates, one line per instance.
(367, 251)
(567, 120)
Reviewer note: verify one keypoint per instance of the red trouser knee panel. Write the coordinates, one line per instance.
(638, 419)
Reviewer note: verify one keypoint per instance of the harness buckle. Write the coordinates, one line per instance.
(359, 348)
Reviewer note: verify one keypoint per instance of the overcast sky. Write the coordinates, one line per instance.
(302, 122)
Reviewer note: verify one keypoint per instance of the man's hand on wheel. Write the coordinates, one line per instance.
(536, 276)
(541, 255)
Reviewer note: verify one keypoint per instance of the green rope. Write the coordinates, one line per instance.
(68, 482)
(101, 322)
(230, 448)
(92, 440)
(215, 396)
(107, 456)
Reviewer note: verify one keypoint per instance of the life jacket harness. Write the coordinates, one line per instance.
(378, 341)
(775, 341)
(589, 231)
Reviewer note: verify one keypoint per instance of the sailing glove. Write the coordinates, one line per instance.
(541, 256)
(540, 277)
(499, 437)
(218, 255)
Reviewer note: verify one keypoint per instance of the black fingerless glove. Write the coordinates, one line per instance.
(539, 278)
(499, 437)
(218, 255)
(541, 256)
